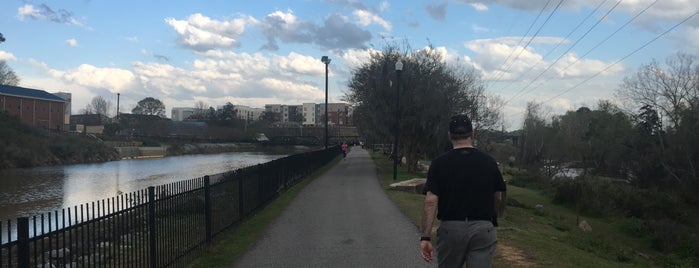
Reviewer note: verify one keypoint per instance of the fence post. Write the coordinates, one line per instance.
(241, 206)
(151, 228)
(22, 242)
(207, 208)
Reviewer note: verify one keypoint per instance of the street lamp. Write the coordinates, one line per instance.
(326, 60)
(399, 70)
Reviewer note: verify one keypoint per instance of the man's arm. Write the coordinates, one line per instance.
(426, 249)
(428, 214)
(497, 202)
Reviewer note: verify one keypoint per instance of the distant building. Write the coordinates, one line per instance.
(33, 107)
(182, 113)
(88, 123)
(247, 113)
(312, 114)
(68, 97)
(309, 114)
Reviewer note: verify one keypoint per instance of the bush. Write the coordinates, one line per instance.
(608, 198)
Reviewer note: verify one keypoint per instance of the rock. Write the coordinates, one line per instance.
(539, 210)
(414, 186)
(514, 203)
(643, 255)
(584, 226)
(59, 253)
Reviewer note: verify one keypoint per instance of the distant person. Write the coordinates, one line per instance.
(464, 186)
(344, 150)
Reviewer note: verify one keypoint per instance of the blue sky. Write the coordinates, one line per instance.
(264, 52)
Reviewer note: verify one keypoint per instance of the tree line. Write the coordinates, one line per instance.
(648, 139)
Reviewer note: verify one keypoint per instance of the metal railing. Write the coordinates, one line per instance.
(161, 226)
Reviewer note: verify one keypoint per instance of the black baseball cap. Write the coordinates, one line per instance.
(460, 124)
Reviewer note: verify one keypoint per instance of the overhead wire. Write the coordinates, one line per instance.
(575, 29)
(621, 59)
(564, 53)
(520, 40)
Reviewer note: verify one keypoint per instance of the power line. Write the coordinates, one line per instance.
(522, 39)
(559, 43)
(507, 69)
(625, 57)
(564, 53)
(622, 59)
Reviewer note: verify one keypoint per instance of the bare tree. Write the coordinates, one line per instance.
(200, 107)
(670, 89)
(7, 75)
(101, 106)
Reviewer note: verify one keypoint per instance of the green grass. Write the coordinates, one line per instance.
(230, 245)
(528, 237)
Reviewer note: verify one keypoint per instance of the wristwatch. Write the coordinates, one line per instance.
(425, 238)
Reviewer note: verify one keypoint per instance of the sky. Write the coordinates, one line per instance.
(564, 54)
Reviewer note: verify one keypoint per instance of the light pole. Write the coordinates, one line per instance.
(399, 70)
(326, 60)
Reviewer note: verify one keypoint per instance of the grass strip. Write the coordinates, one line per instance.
(231, 244)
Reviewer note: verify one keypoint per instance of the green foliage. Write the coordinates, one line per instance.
(424, 95)
(150, 106)
(608, 198)
(25, 146)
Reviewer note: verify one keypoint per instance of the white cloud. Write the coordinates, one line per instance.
(72, 42)
(384, 6)
(354, 58)
(112, 79)
(480, 7)
(299, 64)
(7, 56)
(202, 33)
(366, 18)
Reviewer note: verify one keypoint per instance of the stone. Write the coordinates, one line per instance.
(514, 203)
(414, 185)
(59, 253)
(584, 226)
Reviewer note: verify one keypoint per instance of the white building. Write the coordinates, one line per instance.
(309, 114)
(182, 113)
(248, 113)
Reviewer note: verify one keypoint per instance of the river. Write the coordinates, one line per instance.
(31, 191)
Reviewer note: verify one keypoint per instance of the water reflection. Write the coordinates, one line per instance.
(28, 192)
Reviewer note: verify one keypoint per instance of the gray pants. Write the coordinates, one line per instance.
(460, 242)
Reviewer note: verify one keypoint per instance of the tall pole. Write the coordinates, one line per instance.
(399, 70)
(326, 60)
(117, 116)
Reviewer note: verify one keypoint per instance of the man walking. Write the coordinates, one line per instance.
(464, 186)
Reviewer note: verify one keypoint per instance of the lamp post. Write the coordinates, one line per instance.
(399, 70)
(326, 60)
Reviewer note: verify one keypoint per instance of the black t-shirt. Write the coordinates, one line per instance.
(465, 180)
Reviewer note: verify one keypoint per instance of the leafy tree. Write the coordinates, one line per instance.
(150, 106)
(430, 92)
(226, 113)
(7, 75)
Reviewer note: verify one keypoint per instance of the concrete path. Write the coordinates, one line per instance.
(341, 219)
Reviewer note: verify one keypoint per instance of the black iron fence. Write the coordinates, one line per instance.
(161, 226)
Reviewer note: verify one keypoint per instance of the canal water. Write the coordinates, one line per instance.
(32, 191)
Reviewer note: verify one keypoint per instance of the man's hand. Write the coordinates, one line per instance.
(426, 251)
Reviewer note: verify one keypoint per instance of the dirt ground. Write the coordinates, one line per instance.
(511, 256)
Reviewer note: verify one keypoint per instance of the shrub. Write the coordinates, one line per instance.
(608, 198)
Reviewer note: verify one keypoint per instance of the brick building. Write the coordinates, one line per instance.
(33, 107)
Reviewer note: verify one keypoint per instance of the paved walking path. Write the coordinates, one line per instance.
(342, 219)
